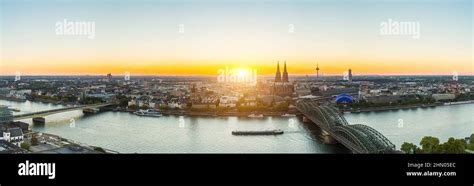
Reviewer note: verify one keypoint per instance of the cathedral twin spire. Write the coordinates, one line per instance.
(278, 77)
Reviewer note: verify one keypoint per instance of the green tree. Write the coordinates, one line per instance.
(470, 146)
(133, 107)
(34, 140)
(454, 146)
(25, 146)
(99, 149)
(429, 144)
(122, 100)
(408, 148)
(471, 140)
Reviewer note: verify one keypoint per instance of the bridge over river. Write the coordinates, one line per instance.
(44, 113)
(358, 138)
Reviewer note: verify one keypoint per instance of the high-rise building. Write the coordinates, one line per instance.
(350, 75)
(278, 74)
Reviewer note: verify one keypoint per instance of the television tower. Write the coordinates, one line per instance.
(317, 70)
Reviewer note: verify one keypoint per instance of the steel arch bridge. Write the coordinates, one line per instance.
(357, 137)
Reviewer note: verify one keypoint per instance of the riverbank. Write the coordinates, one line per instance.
(12, 99)
(54, 144)
(403, 107)
(221, 114)
(187, 112)
(38, 100)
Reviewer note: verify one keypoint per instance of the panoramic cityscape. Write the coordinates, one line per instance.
(207, 77)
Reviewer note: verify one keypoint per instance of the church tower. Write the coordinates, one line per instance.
(278, 74)
(285, 74)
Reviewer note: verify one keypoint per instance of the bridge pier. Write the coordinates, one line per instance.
(39, 120)
(305, 119)
(327, 138)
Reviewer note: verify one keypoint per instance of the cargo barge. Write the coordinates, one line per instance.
(263, 132)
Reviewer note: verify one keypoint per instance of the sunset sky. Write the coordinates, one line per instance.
(142, 37)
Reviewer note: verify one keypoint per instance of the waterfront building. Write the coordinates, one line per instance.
(4, 91)
(249, 101)
(443, 97)
(210, 101)
(268, 100)
(228, 101)
(12, 135)
(175, 103)
(6, 115)
(344, 99)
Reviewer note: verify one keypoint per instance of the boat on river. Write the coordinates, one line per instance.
(255, 116)
(259, 132)
(148, 113)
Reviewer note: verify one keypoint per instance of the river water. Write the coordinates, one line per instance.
(128, 133)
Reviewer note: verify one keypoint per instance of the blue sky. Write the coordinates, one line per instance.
(238, 31)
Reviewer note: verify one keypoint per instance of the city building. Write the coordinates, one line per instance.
(12, 135)
(443, 97)
(109, 77)
(278, 74)
(282, 86)
(6, 115)
(285, 74)
(344, 99)
(349, 74)
(228, 101)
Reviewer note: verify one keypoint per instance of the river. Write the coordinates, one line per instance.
(128, 133)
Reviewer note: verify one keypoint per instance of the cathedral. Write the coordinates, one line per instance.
(281, 85)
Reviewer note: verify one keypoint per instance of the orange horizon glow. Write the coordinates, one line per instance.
(210, 69)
